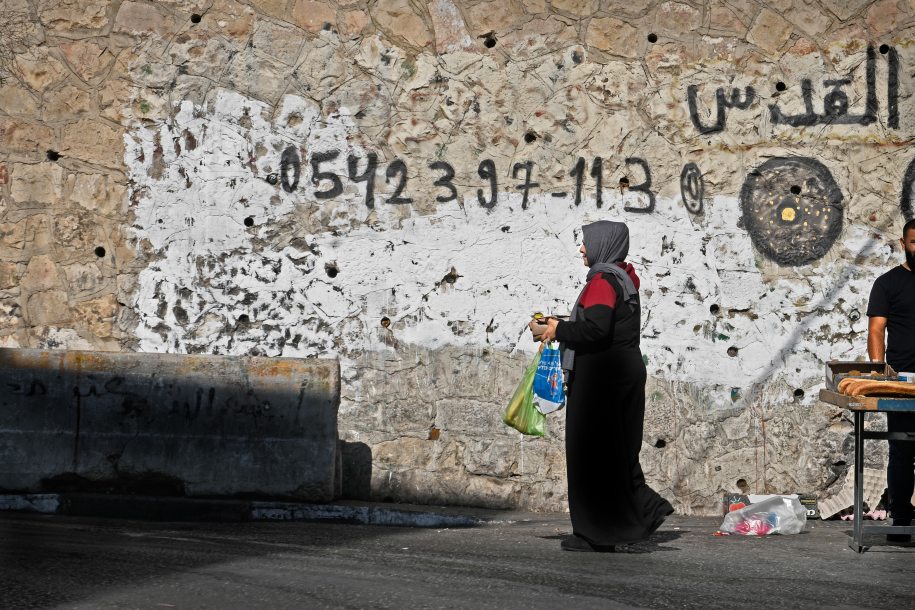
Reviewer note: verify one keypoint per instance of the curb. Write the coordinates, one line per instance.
(156, 508)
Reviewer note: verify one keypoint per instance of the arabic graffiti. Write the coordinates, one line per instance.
(792, 209)
(908, 192)
(722, 103)
(836, 102)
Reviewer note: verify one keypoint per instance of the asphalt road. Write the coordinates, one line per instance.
(70, 562)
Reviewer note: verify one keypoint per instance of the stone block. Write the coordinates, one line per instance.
(9, 275)
(17, 101)
(10, 314)
(98, 314)
(809, 18)
(770, 31)
(94, 141)
(68, 102)
(258, 76)
(141, 18)
(278, 9)
(113, 99)
(577, 8)
(400, 23)
(844, 9)
(497, 16)
(353, 24)
(36, 182)
(404, 453)
(884, 17)
(231, 19)
(678, 19)
(87, 59)
(48, 308)
(69, 15)
(98, 193)
(74, 232)
(450, 31)
(280, 41)
(83, 278)
(313, 15)
(39, 69)
(40, 274)
(613, 36)
(725, 20)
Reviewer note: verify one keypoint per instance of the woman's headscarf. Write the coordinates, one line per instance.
(606, 244)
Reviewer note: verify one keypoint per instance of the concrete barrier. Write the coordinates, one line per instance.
(169, 424)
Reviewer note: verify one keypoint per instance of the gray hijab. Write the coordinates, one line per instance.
(606, 244)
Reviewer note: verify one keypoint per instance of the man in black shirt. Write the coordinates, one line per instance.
(891, 310)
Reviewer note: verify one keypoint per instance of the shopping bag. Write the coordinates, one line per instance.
(521, 414)
(549, 394)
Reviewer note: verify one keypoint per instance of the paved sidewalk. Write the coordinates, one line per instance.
(511, 560)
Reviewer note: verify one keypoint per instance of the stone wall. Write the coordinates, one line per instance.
(400, 183)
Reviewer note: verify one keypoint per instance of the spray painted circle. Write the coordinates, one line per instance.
(792, 209)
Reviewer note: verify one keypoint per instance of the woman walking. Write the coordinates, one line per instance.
(609, 502)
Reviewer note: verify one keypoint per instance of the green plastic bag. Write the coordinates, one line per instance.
(521, 413)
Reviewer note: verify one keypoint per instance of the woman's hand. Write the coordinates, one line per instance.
(550, 333)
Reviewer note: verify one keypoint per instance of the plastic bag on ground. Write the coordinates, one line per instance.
(549, 394)
(521, 413)
(778, 515)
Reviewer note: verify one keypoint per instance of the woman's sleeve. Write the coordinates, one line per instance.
(596, 323)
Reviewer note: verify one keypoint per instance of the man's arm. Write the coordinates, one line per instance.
(876, 338)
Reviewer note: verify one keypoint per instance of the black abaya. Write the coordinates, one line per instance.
(609, 501)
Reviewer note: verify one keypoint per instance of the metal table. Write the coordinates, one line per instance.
(859, 406)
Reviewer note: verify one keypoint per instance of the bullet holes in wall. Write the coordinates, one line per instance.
(795, 190)
(331, 270)
(53, 155)
(714, 309)
(100, 252)
(530, 137)
(385, 322)
(884, 49)
(652, 38)
(798, 394)
(733, 351)
(195, 18)
(660, 443)
(780, 86)
(489, 40)
(249, 221)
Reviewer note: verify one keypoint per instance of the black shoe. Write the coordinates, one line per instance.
(904, 538)
(577, 543)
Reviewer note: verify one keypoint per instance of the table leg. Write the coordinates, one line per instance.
(857, 541)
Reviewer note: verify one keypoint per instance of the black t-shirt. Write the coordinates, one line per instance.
(893, 298)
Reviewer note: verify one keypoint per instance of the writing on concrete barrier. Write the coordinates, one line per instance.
(835, 101)
(138, 403)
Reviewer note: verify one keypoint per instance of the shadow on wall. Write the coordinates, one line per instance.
(168, 424)
(356, 472)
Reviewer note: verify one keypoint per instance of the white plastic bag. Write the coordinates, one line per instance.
(777, 515)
